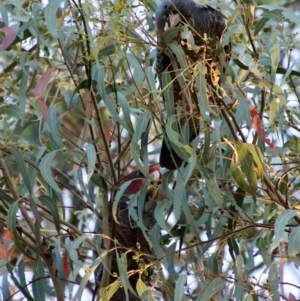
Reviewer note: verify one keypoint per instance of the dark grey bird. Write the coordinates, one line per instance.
(206, 26)
(130, 238)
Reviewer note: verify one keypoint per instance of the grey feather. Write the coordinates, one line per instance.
(207, 27)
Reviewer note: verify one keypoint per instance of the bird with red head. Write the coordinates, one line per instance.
(129, 238)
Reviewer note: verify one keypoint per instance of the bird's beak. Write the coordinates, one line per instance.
(173, 21)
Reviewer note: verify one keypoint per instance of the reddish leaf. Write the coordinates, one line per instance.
(66, 264)
(107, 130)
(107, 124)
(43, 107)
(42, 83)
(10, 36)
(259, 127)
(2, 92)
(292, 297)
(9, 252)
(7, 234)
(4, 252)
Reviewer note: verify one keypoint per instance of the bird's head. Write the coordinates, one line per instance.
(172, 12)
(136, 179)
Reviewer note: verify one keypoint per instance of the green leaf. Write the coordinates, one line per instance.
(119, 6)
(161, 209)
(212, 263)
(57, 254)
(180, 195)
(99, 181)
(91, 156)
(73, 250)
(169, 35)
(168, 93)
(155, 236)
(37, 225)
(171, 261)
(141, 287)
(294, 242)
(6, 197)
(183, 150)
(248, 168)
(239, 285)
(271, 13)
(180, 58)
(22, 94)
(213, 188)
(138, 72)
(83, 283)
(257, 157)
(260, 25)
(274, 109)
(168, 289)
(243, 113)
(193, 227)
(240, 64)
(4, 14)
(210, 289)
(274, 49)
(180, 67)
(52, 207)
(23, 282)
(217, 232)
(22, 285)
(180, 287)
(98, 77)
(277, 90)
(122, 266)
(126, 113)
(250, 265)
(256, 68)
(187, 36)
(54, 122)
(141, 132)
(251, 297)
(38, 281)
(201, 85)
(22, 168)
(103, 292)
(290, 16)
(45, 167)
(233, 247)
(112, 289)
(280, 226)
(50, 16)
(11, 111)
(106, 51)
(5, 288)
(151, 81)
(11, 223)
(273, 278)
(236, 206)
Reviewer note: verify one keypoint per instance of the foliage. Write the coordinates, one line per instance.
(80, 108)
